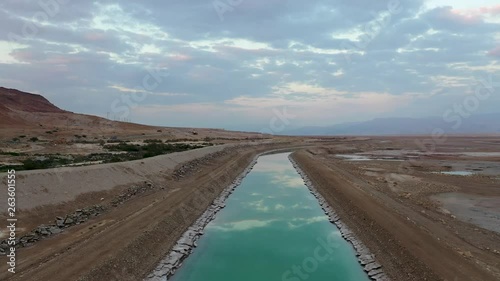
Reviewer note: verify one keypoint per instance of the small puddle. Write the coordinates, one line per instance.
(359, 157)
(480, 154)
(272, 228)
(457, 173)
(354, 157)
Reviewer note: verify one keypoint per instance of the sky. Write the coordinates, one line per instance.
(246, 64)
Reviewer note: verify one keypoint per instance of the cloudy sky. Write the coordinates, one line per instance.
(239, 64)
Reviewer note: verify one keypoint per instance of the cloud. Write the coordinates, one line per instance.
(495, 52)
(129, 90)
(326, 62)
(478, 12)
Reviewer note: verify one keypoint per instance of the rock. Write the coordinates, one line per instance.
(467, 254)
(4, 247)
(372, 266)
(45, 231)
(366, 259)
(42, 230)
(68, 221)
(380, 277)
(54, 230)
(374, 272)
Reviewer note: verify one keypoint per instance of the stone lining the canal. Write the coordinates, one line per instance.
(365, 258)
(185, 245)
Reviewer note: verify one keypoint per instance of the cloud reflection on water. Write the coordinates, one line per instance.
(241, 225)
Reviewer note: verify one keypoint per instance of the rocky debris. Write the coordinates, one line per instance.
(193, 166)
(60, 222)
(365, 259)
(43, 231)
(185, 245)
(77, 217)
(131, 192)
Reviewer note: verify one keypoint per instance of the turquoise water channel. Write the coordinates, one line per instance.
(271, 229)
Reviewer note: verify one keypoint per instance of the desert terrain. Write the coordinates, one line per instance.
(426, 212)
(413, 208)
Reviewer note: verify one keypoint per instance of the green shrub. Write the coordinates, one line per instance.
(11, 153)
(151, 149)
(153, 141)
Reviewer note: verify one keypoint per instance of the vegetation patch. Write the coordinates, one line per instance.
(120, 152)
(150, 149)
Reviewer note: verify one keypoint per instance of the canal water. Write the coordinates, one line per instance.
(271, 229)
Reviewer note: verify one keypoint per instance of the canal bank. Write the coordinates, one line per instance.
(272, 228)
(365, 257)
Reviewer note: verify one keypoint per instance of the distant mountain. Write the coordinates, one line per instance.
(475, 124)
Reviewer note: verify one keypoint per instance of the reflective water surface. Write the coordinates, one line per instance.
(457, 173)
(271, 229)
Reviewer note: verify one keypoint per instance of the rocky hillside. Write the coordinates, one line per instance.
(14, 100)
(21, 110)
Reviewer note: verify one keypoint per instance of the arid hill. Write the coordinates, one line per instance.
(12, 99)
(23, 113)
(21, 110)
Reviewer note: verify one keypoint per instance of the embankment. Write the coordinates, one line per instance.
(52, 186)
